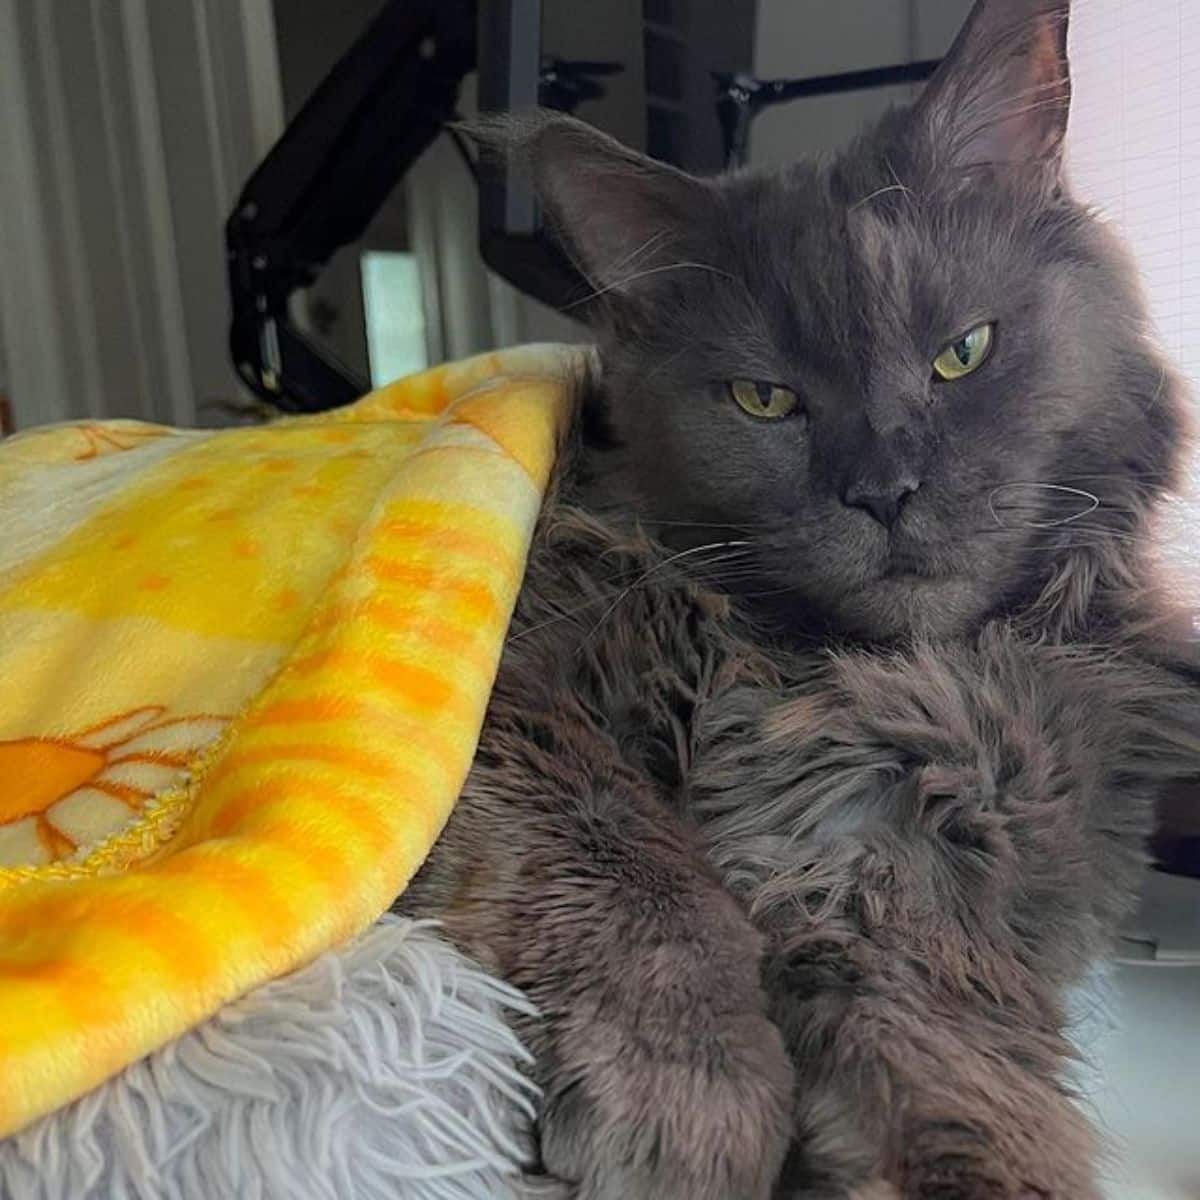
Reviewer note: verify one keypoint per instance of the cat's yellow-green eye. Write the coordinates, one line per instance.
(964, 355)
(767, 401)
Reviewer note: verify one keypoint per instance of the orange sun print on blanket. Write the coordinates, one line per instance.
(62, 795)
(100, 440)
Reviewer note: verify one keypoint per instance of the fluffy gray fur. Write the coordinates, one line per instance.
(824, 749)
(385, 1071)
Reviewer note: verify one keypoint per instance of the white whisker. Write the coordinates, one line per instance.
(883, 191)
(628, 279)
(1057, 488)
(666, 562)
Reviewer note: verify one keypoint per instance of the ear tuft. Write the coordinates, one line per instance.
(1002, 96)
(618, 213)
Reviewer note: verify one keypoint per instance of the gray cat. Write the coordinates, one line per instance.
(841, 688)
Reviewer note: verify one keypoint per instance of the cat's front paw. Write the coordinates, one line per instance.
(674, 1117)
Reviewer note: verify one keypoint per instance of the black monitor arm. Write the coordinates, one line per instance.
(741, 97)
(370, 119)
(318, 188)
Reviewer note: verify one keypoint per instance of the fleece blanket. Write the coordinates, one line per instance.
(383, 1070)
(242, 676)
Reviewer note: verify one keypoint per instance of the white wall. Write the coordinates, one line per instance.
(1147, 1104)
(1135, 147)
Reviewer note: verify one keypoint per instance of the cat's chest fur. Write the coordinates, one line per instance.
(784, 763)
(611, 629)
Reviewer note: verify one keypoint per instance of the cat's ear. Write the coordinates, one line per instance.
(1003, 93)
(622, 217)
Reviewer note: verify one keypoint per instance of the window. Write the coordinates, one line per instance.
(395, 316)
(1134, 148)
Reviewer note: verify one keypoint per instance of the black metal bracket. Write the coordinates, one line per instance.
(741, 97)
(319, 186)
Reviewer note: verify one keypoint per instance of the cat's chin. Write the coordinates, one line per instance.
(891, 608)
(884, 609)
(908, 605)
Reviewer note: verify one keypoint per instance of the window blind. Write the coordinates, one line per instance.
(1134, 148)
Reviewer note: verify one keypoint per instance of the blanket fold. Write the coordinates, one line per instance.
(242, 676)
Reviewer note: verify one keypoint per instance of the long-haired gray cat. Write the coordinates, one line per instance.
(835, 706)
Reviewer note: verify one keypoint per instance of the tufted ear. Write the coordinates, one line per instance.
(622, 217)
(1003, 93)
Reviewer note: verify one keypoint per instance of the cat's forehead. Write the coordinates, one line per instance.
(840, 247)
(852, 276)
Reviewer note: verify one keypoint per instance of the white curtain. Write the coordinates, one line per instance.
(126, 130)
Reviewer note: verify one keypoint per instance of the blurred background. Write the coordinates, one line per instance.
(129, 128)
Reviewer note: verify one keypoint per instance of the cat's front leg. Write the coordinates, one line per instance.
(936, 843)
(662, 1076)
(902, 1096)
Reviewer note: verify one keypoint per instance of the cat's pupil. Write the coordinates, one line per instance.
(962, 351)
(763, 390)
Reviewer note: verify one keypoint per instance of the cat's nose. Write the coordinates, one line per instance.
(883, 503)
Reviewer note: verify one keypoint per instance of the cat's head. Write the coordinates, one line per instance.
(915, 381)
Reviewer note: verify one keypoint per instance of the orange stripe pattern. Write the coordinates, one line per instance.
(242, 677)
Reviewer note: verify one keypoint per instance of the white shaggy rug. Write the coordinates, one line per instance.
(385, 1071)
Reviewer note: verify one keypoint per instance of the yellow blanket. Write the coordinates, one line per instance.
(242, 675)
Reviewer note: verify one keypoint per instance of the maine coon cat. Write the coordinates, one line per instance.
(841, 686)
